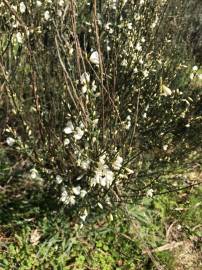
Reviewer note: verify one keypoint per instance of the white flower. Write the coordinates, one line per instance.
(117, 163)
(114, 4)
(108, 48)
(128, 122)
(143, 39)
(19, 37)
(64, 197)
(166, 91)
(94, 86)
(85, 78)
(83, 193)
(79, 133)
(150, 193)
(107, 26)
(124, 63)
(84, 216)
(22, 7)
(61, 3)
(69, 128)
(46, 15)
(94, 58)
(59, 13)
(195, 68)
(138, 47)
(103, 175)
(84, 89)
(71, 51)
(200, 76)
(141, 61)
(10, 141)
(66, 141)
(130, 26)
(76, 190)
(191, 76)
(38, 3)
(80, 177)
(165, 147)
(34, 173)
(145, 73)
(72, 200)
(58, 179)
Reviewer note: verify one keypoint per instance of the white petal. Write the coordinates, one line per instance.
(79, 133)
(85, 78)
(61, 3)
(10, 141)
(84, 89)
(195, 68)
(19, 37)
(103, 181)
(38, 3)
(76, 190)
(83, 193)
(69, 128)
(22, 7)
(166, 90)
(117, 163)
(59, 179)
(165, 147)
(66, 141)
(100, 205)
(34, 173)
(150, 192)
(94, 58)
(84, 216)
(46, 15)
(72, 200)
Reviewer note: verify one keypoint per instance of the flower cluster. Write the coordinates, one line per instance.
(78, 132)
(103, 175)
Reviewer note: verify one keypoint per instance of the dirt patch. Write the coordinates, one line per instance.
(188, 257)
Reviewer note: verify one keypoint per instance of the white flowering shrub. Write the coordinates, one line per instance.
(94, 95)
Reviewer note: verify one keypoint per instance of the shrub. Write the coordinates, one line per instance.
(96, 91)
